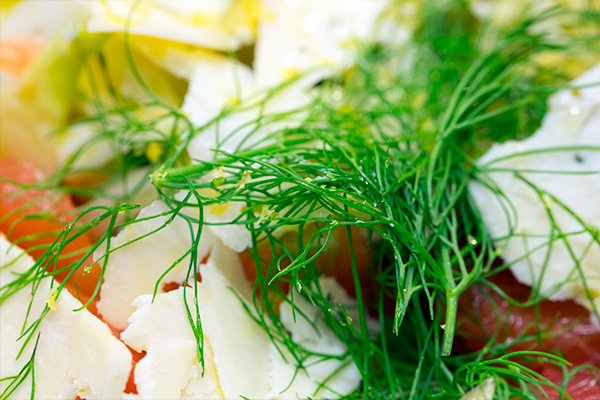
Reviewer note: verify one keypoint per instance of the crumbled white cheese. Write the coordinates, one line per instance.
(573, 119)
(236, 348)
(170, 368)
(77, 354)
(134, 269)
(288, 382)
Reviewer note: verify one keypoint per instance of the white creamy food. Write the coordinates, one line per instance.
(548, 195)
(77, 355)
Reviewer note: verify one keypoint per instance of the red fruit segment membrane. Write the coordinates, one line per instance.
(482, 312)
(20, 221)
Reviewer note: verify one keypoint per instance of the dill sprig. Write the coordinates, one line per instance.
(377, 148)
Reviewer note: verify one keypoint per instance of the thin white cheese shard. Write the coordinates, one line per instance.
(286, 380)
(573, 119)
(235, 347)
(77, 354)
(134, 269)
(170, 368)
(215, 24)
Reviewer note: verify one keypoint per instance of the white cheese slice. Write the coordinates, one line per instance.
(285, 379)
(296, 36)
(77, 354)
(170, 368)
(239, 344)
(201, 23)
(573, 119)
(134, 269)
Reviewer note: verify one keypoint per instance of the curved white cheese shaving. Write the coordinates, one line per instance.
(134, 269)
(288, 383)
(77, 354)
(573, 119)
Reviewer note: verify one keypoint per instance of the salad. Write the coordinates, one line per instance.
(269, 199)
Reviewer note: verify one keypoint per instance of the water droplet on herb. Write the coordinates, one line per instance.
(349, 320)
(547, 200)
(472, 240)
(299, 286)
(574, 110)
